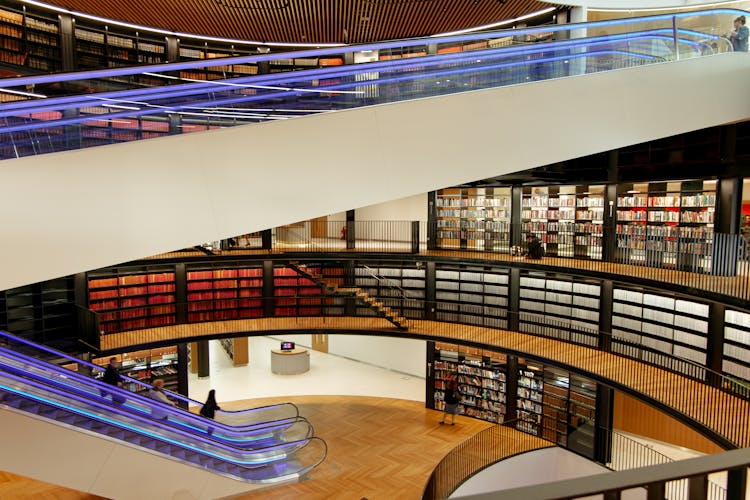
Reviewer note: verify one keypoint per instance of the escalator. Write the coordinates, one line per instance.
(248, 455)
(399, 127)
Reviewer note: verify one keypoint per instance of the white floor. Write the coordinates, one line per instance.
(328, 375)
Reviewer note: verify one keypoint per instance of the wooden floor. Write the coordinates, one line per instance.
(378, 448)
(727, 415)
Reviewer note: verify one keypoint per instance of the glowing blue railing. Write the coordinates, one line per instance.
(75, 110)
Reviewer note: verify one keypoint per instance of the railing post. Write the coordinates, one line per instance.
(415, 236)
(351, 234)
(656, 491)
(698, 487)
(736, 484)
(675, 39)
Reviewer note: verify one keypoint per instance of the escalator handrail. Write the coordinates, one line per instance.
(110, 409)
(173, 395)
(198, 421)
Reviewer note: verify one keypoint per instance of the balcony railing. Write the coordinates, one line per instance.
(135, 103)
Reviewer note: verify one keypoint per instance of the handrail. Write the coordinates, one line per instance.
(93, 366)
(388, 282)
(624, 480)
(409, 42)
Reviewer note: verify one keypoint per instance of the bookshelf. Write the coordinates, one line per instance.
(569, 410)
(147, 365)
(474, 218)
(99, 46)
(236, 349)
(130, 301)
(391, 285)
(481, 380)
(474, 295)
(664, 324)
(297, 295)
(215, 294)
(736, 360)
(666, 224)
(41, 311)
(30, 40)
(566, 303)
(193, 52)
(568, 220)
(529, 399)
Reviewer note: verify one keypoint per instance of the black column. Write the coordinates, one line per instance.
(67, 43)
(609, 229)
(606, 298)
(173, 48)
(432, 220)
(182, 372)
(429, 291)
(715, 347)
(415, 236)
(511, 390)
(268, 302)
(514, 299)
(204, 369)
(180, 293)
(516, 193)
(429, 389)
(266, 239)
(351, 235)
(726, 225)
(605, 399)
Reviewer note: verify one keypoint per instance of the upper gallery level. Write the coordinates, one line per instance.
(485, 108)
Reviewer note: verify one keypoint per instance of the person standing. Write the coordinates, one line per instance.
(534, 248)
(112, 377)
(739, 37)
(157, 394)
(209, 408)
(452, 398)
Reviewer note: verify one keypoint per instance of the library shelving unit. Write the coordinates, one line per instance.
(28, 40)
(481, 381)
(147, 365)
(394, 286)
(589, 222)
(569, 410)
(43, 311)
(474, 218)
(131, 301)
(736, 344)
(100, 46)
(665, 324)
(570, 304)
(236, 349)
(529, 403)
(474, 295)
(568, 220)
(224, 293)
(195, 51)
(666, 224)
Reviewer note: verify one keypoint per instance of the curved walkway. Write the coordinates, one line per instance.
(727, 415)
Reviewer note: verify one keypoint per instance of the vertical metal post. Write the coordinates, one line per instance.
(675, 40)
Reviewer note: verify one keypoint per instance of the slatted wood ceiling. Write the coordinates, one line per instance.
(311, 21)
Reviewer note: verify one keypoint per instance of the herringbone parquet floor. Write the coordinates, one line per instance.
(378, 448)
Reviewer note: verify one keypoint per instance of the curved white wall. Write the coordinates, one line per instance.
(80, 210)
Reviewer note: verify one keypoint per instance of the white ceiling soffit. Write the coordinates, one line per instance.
(645, 4)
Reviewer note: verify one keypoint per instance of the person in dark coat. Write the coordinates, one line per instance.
(209, 408)
(534, 248)
(112, 377)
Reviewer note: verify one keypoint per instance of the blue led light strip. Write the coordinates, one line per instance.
(60, 103)
(157, 68)
(220, 102)
(94, 387)
(132, 380)
(140, 430)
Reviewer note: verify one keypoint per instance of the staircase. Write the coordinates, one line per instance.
(331, 288)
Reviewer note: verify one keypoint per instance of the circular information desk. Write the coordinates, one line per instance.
(290, 362)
